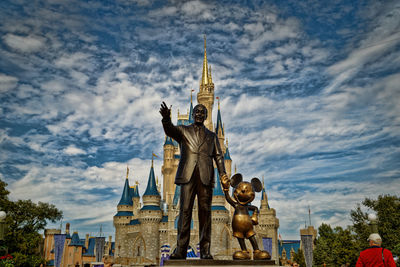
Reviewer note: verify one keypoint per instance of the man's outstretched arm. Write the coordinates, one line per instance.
(169, 128)
(219, 157)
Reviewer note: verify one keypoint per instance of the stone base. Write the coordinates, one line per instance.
(237, 263)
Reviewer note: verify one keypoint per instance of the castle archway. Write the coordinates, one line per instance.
(139, 247)
(225, 241)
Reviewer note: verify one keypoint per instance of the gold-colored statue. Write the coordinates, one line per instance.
(242, 222)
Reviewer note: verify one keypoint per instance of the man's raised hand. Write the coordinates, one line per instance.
(165, 111)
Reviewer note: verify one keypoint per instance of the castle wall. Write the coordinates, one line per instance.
(150, 223)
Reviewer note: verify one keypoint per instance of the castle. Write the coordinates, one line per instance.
(146, 233)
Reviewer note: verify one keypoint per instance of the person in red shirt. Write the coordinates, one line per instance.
(375, 255)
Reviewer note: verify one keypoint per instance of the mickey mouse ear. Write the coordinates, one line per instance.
(236, 179)
(257, 185)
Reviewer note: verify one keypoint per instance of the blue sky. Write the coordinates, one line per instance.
(309, 96)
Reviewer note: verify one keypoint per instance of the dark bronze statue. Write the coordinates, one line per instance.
(195, 174)
(242, 222)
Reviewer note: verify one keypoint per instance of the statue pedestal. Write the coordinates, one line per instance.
(209, 263)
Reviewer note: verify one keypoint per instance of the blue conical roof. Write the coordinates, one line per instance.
(168, 141)
(126, 198)
(136, 191)
(219, 123)
(176, 195)
(131, 191)
(151, 189)
(217, 188)
(75, 241)
(263, 193)
(227, 156)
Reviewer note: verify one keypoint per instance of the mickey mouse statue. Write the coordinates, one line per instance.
(242, 222)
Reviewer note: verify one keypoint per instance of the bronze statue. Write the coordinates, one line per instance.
(242, 222)
(195, 174)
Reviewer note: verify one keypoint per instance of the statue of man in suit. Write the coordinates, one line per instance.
(195, 174)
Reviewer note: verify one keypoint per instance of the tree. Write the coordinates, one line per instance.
(338, 246)
(299, 258)
(387, 208)
(322, 252)
(335, 247)
(344, 248)
(23, 222)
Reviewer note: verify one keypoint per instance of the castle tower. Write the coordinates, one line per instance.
(67, 226)
(49, 243)
(150, 216)
(75, 250)
(264, 198)
(268, 225)
(220, 235)
(136, 200)
(168, 170)
(122, 218)
(206, 92)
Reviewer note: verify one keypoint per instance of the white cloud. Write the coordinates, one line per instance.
(25, 44)
(73, 150)
(7, 82)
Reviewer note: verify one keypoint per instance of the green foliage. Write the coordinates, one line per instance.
(387, 208)
(299, 258)
(23, 222)
(335, 247)
(338, 246)
(28, 260)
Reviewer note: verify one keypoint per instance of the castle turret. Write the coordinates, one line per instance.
(123, 216)
(49, 243)
(136, 200)
(268, 224)
(125, 205)
(168, 170)
(150, 216)
(264, 199)
(206, 92)
(67, 226)
(75, 251)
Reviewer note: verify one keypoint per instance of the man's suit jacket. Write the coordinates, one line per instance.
(196, 150)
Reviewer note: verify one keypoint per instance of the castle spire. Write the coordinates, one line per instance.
(227, 155)
(264, 198)
(151, 189)
(219, 126)
(127, 171)
(206, 93)
(209, 75)
(126, 196)
(152, 158)
(204, 77)
(136, 190)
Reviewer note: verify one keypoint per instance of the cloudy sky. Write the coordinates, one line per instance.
(309, 93)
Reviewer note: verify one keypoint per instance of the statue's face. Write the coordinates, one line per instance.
(199, 114)
(244, 193)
